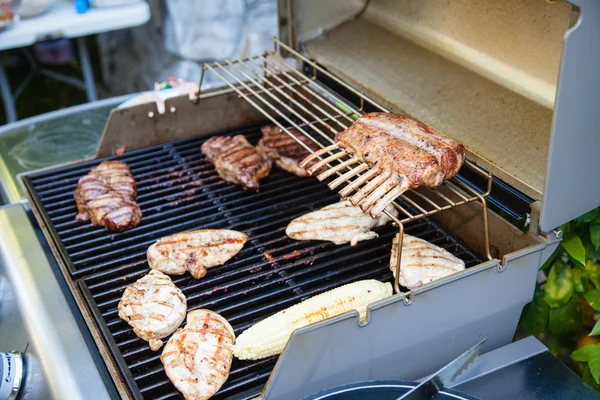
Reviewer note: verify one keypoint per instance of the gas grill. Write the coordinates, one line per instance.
(271, 273)
(316, 82)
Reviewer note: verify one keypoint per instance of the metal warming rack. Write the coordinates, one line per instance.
(296, 102)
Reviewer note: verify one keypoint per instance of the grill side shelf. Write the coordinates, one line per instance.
(46, 224)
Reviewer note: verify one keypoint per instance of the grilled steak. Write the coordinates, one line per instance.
(154, 307)
(422, 262)
(195, 251)
(401, 145)
(198, 357)
(284, 150)
(236, 160)
(338, 223)
(107, 197)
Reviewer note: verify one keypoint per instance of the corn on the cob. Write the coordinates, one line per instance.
(269, 336)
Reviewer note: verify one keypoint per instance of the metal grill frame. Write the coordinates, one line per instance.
(102, 334)
(252, 79)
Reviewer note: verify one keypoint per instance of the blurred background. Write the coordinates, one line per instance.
(131, 44)
(65, 64)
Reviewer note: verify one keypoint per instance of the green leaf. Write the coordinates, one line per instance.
(566, 228)
(596, 330)
(582, 354)
(594, 252)
(559, 287)
(549, 261)
(567, 319)
(588, 217)
(574, 247)
(592, 270)
(593, 298)
(588, 378)
(594, 362)
(580, 280)
(595, 233)
(587, 245)
(536, 316)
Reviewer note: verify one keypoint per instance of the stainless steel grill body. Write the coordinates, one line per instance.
(371, 47)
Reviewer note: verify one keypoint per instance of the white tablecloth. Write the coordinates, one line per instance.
(61, 20)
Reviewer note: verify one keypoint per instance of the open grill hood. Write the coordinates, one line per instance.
(515, 81)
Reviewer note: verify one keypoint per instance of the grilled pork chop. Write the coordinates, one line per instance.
(338, 223)
(399, 144)
(236, 160)
(154, 307)
(284, 150)
(423, 262)
(107, 195)
(198, 357)
(195, 251)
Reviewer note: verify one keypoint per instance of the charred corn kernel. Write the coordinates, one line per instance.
(269, 336)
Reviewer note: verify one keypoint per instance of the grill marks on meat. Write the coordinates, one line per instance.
(154, 307)
(399, 144)
(284, 150)
(197, 358)
(195, 251)
(400, 154)
(107, 197)
(422, 262)
(236, 160)
(338, 223)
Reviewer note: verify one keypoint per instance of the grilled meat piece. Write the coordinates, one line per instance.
(422, 262)
(198, 357)
(107, 196)
(338, 223)
(154, 307)
(236, 160)
(195, 251)
(399, 144)
(284, 150)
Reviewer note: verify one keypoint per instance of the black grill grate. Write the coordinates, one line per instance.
(178, 191)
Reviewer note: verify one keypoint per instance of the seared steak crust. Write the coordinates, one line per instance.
(402, 145)
(236, 160)
(284, 150)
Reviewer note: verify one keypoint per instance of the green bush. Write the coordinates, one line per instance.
(563, 311)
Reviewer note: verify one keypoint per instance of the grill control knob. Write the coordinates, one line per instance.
(11, 371)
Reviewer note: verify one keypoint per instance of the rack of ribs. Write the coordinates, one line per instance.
(400, 154)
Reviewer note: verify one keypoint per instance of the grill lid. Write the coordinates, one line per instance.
(456, 67)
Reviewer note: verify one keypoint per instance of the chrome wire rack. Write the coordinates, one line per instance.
(300, 105)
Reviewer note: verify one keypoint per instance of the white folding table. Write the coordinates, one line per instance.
(61, 21)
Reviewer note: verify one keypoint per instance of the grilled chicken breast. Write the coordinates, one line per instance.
(198, 357)
(400, 145)
(423, 262)
(154, 307)
(195, 251)
(107, 197)
(236, 160)
(338, 223)
(284, 150)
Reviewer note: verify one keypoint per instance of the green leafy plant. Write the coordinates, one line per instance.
(565, 309)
